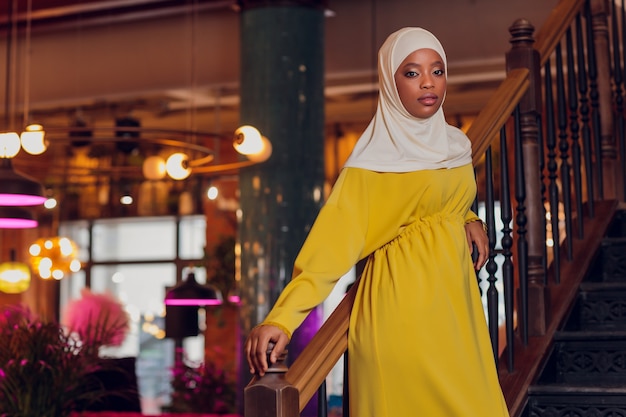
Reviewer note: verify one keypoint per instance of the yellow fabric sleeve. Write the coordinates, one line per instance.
(471, 217)
(280, 326)
(331, 249)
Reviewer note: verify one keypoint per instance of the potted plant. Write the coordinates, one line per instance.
(47, 370)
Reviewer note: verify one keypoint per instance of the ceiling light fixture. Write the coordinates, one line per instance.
(184, 158)
(14, 276)
(17, 189)
(191, 293)
(16, 218)
(54, 257)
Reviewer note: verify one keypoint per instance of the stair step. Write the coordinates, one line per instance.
(617, 227)
(601, 306)
(594, 357)
(612, 259)
(578, 390)
(580, 401)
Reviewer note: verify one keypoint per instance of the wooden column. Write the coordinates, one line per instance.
(523, 55)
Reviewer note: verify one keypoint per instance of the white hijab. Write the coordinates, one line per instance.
(396, 141)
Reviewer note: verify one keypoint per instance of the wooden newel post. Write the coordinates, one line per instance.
(609, 167)
(523, 55)
(271, 395)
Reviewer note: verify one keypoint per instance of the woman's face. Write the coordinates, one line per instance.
(421, 82)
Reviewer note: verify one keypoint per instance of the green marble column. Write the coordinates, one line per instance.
(282, 94)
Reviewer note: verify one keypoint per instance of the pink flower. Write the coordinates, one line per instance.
(97, 319)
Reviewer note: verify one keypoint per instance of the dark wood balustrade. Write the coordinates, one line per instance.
(557, 124)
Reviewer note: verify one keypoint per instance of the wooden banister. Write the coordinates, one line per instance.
(322, 353)
(497, 111)
(555, 26)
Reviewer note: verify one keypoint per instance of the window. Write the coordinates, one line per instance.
(135, 259)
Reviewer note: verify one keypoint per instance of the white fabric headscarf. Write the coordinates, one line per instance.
(396, 141)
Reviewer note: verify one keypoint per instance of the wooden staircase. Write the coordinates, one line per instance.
(550, 144)
(585, 374)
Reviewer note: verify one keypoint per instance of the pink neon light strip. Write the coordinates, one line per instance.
(192, 302)
(11, 223)
(21, 200)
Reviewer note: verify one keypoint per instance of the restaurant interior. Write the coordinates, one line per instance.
(123, 118)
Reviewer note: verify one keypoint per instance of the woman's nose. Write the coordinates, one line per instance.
(427, 82)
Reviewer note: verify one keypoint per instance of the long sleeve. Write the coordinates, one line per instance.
(334, 244)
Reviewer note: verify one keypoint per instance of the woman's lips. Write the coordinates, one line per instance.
(428, 99)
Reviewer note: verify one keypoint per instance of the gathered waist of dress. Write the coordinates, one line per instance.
(427, 222)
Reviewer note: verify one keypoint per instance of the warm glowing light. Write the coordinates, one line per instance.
(50, 203)
(264, 153)
(14, 277)
(54, 257)
(212, 192)
(154, 168)
(177, 166)
(75, 265)
(32, 139)
(9, 144)
(248, 140)
(126, 200)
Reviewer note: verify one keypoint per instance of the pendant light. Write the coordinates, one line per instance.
(15, 189)
(16, 218)
(14, 276)
(191, 293)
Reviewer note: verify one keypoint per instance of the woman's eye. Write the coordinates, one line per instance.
(411, 74)
(439, 72)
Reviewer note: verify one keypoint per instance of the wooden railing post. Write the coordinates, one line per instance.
(271, 395)
(609, 167)
(523, 55)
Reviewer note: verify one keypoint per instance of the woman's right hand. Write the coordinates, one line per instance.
(257, 344)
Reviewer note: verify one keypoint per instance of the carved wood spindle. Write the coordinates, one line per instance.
(523, 55)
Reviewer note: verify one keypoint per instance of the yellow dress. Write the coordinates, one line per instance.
(418, 340)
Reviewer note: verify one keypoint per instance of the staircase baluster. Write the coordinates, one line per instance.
(521, 220)
(599, 45)
(345, 401)
(574, 129)
(544, 228)
(506, 215)
(584, 113)
(594, 96)
(474, 208)
(619, 92)
(322, 401)
(491, 267)
(553, 191)
(564, 149)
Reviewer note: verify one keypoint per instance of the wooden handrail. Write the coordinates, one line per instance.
(497, 111)
(321, 354)
(555, 26)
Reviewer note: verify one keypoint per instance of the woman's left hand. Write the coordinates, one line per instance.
(475, 234)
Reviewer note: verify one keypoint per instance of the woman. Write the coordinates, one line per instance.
(418, 339)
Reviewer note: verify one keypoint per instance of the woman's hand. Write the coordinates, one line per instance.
(476, 234)
(257, 344)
